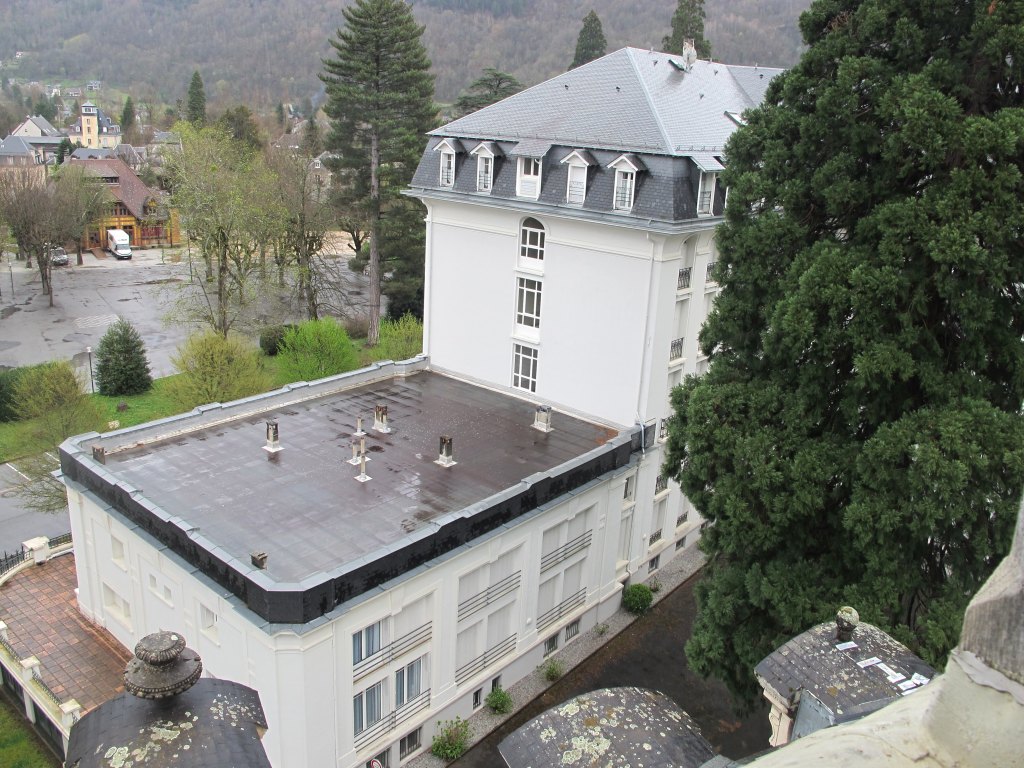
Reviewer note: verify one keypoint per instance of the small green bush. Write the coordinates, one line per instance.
(315, 349)
(601, 629)
(271, 338)
(121, 364)
(399, 339)
(53, 396)
(654, 585)
(216, 370)
(8, 385)
(637, 598)
(552, 669)
(500, 701)
(451, 739)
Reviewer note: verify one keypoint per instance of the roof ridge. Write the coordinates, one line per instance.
(668, 145)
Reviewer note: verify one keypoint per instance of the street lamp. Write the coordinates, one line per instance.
(92, 381)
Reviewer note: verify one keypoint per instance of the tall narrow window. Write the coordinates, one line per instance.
(484, 173)
(447, 169)
(706, 194)
(408, 682)
(624, 190)
(577, 187)
(366, 642)
(531, 240)
(524, 368)
(366, 707)
(529, 177)
(528, 303)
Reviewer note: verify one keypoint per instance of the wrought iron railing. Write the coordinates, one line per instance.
(655, 537)
(59, 541)
(11, 560)
(660, 484)
(485, 659)
(566, 551)
(711, 271)
(471, 605)
(391, 721)
(683, 281)
(392, 651)
(676, 350)
(562, 609)
(682, 518)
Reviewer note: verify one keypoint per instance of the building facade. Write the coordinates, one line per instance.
(94, 129)
(367, 590)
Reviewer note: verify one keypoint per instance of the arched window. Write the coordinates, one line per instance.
(531, 240)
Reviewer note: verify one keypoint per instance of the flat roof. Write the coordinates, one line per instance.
(211, 480)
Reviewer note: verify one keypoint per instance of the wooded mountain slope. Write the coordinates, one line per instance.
(261, 52)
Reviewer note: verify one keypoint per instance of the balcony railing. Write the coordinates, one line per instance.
(711, 272)
(655, 538)
(471, 605)
(564, 608)
(682, 518)
(660, 484)
(391, 721)
(485, 659)
(566, 551)
(683, 281)
(675, 351)
(483, 182)
(391, 651)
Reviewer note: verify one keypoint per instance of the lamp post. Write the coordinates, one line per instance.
(92, 381)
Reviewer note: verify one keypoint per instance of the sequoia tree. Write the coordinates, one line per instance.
(688, 24)
(858, 437)
(380, 101)
(591, 43)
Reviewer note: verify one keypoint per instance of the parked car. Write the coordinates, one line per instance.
(58, 257)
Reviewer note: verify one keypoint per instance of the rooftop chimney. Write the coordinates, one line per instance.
(542, 418)
(273, 446)
(162, 667)
(689, 54)
(99, 453)
(847, 620)
(380, 419)
(259, 559)
(446, 453)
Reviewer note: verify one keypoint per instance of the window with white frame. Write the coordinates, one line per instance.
(706, 193)
(410, 743)
(624, 180)
(117, 606)
(208, 622)
(524, 367)
(447, 169)
(653, 563)
(408, 682)
(528, 302)
(484, 173)
(528, 182)
(576, 190)
(625, 535)
(367, 706)
(117, 552)
(531, 240)
(366, 642)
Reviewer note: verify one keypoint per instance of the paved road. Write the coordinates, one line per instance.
(18, 525)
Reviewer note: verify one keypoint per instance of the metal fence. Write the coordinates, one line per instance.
(11, 560)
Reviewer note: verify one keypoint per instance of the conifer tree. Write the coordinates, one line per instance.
(858, 437)
(492, 86)
(591, 43)
(121, 364)
(688, 23)
(196, 107)
(380, 99)
(128, 115)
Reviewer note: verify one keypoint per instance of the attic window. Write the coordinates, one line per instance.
(447, 169)
(529, 177)
(576, 187)
(624, 181)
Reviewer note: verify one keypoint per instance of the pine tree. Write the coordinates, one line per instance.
(590, 44)
(380, 99)
(857, 439)
(280, 113)
(121, 364)
(128, 115)
(493, 85)
(196, 108)
(688, 23)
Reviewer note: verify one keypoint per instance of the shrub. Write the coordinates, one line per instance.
(451, 739)
(8, 383)
(552, 669)
(654, 585)
(271, 338)
(499, 700)
(121, 364)
(214, 369)
(399, 339)
(53, 395)
(601, 629)
(316, 349)
(637, 598)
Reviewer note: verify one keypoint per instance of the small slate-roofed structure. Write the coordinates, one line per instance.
(611, 726)
(817, 679)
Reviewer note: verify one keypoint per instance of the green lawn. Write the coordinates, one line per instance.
(19, 746)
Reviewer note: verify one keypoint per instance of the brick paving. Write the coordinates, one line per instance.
(78, 659)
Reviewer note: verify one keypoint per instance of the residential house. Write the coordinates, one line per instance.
(366, 588)
(35, 126)
(94, 129)
(140, 211)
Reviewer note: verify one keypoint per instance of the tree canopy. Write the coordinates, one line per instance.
(196, 106)
(492, 86)
(687, 24)
(591, 43)
(858, 436)
(380, 101)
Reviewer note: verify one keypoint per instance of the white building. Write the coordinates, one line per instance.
(569, 243)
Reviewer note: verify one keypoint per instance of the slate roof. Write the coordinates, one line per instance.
(844, 681)
(16, 146)
(42, 124)
(610, 726)
(630, 100)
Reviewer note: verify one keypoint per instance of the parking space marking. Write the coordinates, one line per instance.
(95, 321)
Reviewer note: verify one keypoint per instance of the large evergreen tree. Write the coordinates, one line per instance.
(196, 106)
(128, 115)
(687, 24)
(121, 364)
(492, 86)
(590, 44)
(858, 436)
(380, 99)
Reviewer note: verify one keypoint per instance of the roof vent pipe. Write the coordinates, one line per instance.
(273, 446)
(542, 418)
(847, 620)
(359, 427)
(358, 453)
(380, 419)
(446, 452)
(259, 559)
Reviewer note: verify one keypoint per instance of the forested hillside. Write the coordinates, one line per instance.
(261, 52)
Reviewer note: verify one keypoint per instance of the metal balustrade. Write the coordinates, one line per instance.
(392, 720)
(655, 537)
(485, 659)
(676, 350)
(471, 605)
(711, 271)
(562, 609)
(566, 551)
(683, 281)
(392, 651)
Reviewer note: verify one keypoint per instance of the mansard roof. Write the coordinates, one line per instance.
(631, 100)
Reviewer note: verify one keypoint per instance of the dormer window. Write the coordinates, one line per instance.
(626, 168)
(528, 184)
(485, 153)
(447, 169)
(706, 194)
(576, 186)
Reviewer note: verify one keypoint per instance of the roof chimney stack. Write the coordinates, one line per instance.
(847, 620)
(273, 446)
(542, 418)
(446, 453)
(689, 54)
(380, 419)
